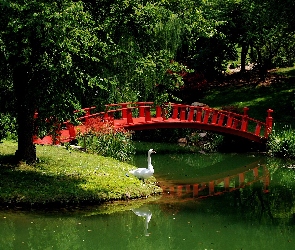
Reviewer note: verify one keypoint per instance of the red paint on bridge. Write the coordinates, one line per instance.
(146, 115)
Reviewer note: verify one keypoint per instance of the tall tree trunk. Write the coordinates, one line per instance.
(261, 65)
(25, 114)
(244, 53)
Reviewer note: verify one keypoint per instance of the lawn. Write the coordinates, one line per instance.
(62, 177)
(276, 93)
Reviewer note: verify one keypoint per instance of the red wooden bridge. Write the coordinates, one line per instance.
(146, 115)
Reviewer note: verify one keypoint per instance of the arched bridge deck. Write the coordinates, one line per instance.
(146, 115)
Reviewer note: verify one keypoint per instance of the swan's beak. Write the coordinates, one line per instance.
(154, 152)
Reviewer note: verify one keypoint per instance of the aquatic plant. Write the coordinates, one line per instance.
(282, 143)
(104, 139)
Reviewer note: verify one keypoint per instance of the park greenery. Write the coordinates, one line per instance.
(64, 177)
(61, 56)
(104, 139)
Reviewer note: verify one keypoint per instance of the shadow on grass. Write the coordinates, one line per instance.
(27, 188)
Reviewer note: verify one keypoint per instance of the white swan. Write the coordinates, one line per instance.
(144, 173)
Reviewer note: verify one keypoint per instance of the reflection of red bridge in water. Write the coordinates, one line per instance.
(212, 187)
(145, 115)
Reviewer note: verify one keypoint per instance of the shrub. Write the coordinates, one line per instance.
(282, 143)
(103, 138)
(7, 127)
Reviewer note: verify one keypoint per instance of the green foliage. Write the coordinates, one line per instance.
(63, 55)
(282, 143)
(7, 127)
(104, 139)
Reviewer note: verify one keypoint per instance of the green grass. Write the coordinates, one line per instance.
(278, 96)
(288, 72)
(62, 177)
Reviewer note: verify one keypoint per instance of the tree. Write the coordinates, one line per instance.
(49, 49)
(60, 55)
(144, 37)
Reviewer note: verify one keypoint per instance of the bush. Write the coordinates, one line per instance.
(7, 127)
(282, 143)
(106, 140)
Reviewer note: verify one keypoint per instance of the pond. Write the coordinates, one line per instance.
(210, 201)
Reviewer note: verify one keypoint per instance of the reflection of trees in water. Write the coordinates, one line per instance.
(275, 205)
(196, 160)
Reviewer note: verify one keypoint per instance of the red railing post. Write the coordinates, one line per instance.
(221, 119)
(269, 121)
(182, 112)
(124, 110)
(206, 116)
(246, 109)
(158, 112)
(229, 120)
(199, 114)
(191, 113)
(129, 115)
(245, 120)
(175, 111)
(141, 111)
(147, 113)
(141, 106)
(214, 117)
(258, 129)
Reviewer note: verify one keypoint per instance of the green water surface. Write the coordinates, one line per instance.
(257, 215)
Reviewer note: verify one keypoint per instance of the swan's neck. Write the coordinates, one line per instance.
(150, 166)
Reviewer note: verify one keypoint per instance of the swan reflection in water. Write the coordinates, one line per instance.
(144, 211)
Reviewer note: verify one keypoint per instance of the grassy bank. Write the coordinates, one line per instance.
(65, 177)
(277, 92)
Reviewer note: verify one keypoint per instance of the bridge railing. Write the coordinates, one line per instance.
(148, 112)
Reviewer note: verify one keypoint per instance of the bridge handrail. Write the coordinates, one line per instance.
(173, 115)
(182, 112)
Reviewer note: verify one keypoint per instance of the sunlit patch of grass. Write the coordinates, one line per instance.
(279, 98)
(67, 176)
(288, 72)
